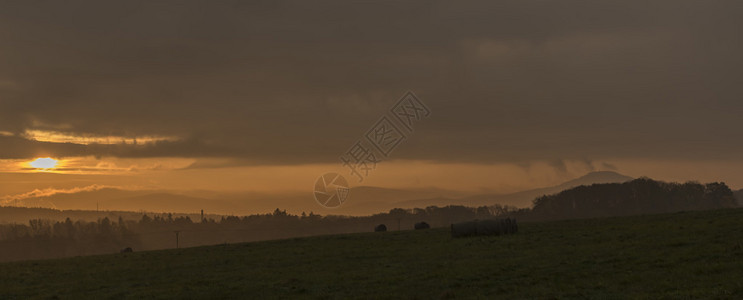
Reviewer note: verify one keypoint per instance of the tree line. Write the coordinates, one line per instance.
(42, 238)
(639, 196)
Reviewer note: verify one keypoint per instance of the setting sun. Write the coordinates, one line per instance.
(44, 163)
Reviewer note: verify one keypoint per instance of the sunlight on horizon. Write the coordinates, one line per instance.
(44, 163)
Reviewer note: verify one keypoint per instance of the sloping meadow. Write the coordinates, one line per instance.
(680, 255)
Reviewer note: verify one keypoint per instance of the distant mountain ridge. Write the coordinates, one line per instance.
(524, 198)
(363, 200)
(113, 199)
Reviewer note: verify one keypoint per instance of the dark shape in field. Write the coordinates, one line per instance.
(484, 227)
(127, 250)
(511, 226)
(464, 229)
(422, 225)
(380, 228)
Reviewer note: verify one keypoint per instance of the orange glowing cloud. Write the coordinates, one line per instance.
(60, 137)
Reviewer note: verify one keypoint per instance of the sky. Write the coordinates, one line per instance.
(266, 96)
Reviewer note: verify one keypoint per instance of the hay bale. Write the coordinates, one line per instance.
(508, 226)
(464, 229)
(490, 227)
(422, 225)
(380, 228)
(511, 226)
(127, 250)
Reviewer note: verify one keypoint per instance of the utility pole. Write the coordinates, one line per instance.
(177, 233)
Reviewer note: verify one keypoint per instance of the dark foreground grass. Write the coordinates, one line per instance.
(684, 255)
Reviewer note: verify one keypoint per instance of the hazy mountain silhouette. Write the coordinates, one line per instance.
(363, 200)
(88, 200)
(166, 202)
(523, 198)
(113, 199)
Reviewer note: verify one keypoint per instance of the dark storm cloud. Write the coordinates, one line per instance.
(299, 82)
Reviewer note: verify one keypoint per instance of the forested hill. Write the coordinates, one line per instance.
(639, 196)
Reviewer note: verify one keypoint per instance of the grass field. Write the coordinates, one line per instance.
(674, 256)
